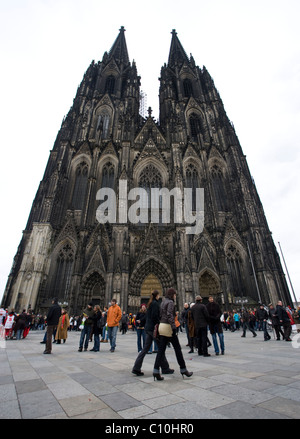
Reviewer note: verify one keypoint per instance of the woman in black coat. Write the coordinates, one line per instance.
(152, 318)
(168, 318)
(97, 329)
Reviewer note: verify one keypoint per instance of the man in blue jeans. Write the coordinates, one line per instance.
(215, 325)
(114, 315)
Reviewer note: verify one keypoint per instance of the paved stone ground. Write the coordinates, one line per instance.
(253, 380)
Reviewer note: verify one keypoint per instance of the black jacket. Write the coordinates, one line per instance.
(53, 315)
(262, 314)
(200, 315)
(214, 312)
(97, 322)
(274, 316)
(282, 315)
(141, 316)
(152, 315)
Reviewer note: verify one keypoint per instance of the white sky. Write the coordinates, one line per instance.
(250, 48)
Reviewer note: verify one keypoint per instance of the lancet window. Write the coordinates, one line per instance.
(80, 186)
(235, 269)
(192, 181)
(195, 126)
(63, 274)
(218, 184)
(108, 175)
(110, 84)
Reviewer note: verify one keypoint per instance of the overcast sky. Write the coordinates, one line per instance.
(250, 48)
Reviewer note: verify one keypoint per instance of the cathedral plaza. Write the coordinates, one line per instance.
(253, 380)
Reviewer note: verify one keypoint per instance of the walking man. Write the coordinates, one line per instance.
(114, 315)
(246, 325)
(52, 319)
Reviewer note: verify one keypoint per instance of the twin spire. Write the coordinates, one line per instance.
(118, 51)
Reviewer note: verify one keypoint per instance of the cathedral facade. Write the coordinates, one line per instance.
(105, 142)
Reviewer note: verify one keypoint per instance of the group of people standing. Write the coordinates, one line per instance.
(198, 319)
(15, 325)
(94, 323)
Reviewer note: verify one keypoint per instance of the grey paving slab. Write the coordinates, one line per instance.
(253, 380)
(244, 410)
(10, 409)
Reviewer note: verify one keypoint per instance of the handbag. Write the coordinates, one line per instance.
(165, 329)
(155, 332)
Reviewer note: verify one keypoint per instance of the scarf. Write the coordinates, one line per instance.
(63, 321)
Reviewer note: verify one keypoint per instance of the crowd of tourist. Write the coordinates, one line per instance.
(156, 325)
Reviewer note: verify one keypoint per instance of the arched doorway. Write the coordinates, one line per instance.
(93, 288)
(146, 277)
(151, 282)
(208, 285)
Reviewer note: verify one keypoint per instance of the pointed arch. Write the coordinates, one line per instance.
(219, 188)
(192, 181)
(61, 270)
(209, 283)
(92, 289)
(80, 186)
(110, 84)
(108, 175)
(187, 87)
(156, 165)
(154, 267)
(103, 118)
(236, 267)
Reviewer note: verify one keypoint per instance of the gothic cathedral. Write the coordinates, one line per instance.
(104, 139)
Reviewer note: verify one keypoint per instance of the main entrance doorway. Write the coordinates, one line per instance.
(208, 285)
(150, 283)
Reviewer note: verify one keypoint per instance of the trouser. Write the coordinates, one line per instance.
(104, 333)
(147, 347)
(8, 332)
(124, 328)
(163, 341)
(112, 335)
(202, 340)
(278, 331)
(140, 332)
(85, 336)
(50, 330)
(247, 326)
(19, 334)
(96, 341)
(214, 329)
(287, 330)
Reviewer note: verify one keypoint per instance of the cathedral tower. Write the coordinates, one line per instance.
(104, 142)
